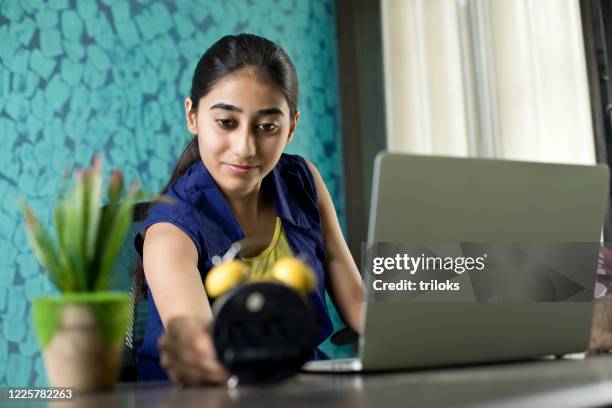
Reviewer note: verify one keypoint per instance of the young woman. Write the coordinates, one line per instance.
(234, 181)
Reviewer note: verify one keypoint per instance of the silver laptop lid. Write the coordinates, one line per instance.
(443, 198)
(427, 198)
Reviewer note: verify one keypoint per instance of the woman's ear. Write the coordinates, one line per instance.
(293, 126)
(190, 117)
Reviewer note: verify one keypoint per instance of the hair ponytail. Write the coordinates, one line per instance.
(190, 155)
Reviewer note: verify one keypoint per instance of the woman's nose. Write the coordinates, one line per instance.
(244, 143)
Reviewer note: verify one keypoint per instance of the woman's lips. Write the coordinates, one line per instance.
(239, 169)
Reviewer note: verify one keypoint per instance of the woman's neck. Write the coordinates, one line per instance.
(250, 209)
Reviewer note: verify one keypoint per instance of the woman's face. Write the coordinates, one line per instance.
(243, 125)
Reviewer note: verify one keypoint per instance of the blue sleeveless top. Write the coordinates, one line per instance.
(202, 212)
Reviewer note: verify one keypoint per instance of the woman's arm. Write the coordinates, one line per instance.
(170, 262)
(346, 287)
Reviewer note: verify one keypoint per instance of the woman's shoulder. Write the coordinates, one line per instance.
(296, 165)
(178, 208)
(291, 161)
(292, 167)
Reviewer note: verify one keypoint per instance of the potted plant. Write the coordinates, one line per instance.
(81, 331)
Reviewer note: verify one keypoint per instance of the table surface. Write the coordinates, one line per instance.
(559, 383)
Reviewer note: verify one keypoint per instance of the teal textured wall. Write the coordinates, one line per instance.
(78, 77)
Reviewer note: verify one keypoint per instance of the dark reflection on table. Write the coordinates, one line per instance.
(301, 390)
(545, 382)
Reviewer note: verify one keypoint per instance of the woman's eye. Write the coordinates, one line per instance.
(267, 127)
(226, 123)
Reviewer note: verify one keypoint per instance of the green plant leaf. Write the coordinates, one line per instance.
(44, 248)
(109, 213)
(85, 226)
(115, 187)
(74, 237)
(119, 225)
(93, 199)
(58, 219)
(63, 259)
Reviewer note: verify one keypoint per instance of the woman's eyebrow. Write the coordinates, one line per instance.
(232, 108)
(226, 106)
(270, 111)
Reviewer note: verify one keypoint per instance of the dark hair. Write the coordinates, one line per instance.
(229, 54)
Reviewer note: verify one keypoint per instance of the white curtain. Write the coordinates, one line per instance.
(497, 78)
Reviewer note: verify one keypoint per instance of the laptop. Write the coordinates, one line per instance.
(428, 198)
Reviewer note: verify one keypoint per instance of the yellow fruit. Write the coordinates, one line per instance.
(224, 276)
(294, 273)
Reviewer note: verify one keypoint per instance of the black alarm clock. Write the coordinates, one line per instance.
(263, 331)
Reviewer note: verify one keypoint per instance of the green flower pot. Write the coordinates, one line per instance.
(81, 335)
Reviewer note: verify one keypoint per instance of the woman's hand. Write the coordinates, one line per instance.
(188, 355)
